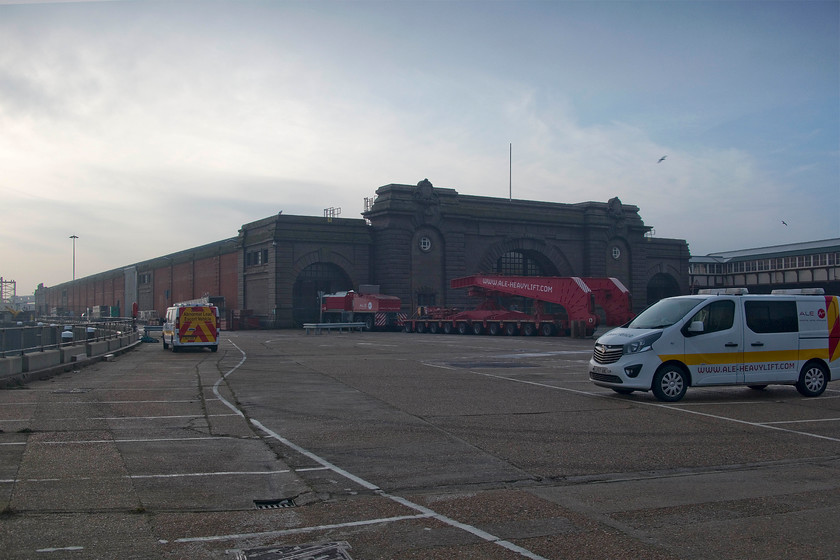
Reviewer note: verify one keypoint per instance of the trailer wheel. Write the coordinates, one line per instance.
(511, 329)
(433, 328)
(447, 328)
(407, 327)
(463, 328)
(493, 329)
(528, 329)
(421, 327)
(547, 329)
(369, 323)
(478, 328)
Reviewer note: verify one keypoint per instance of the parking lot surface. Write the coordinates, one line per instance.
(380, 445)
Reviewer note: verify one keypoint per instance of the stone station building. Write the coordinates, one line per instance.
(410, 242)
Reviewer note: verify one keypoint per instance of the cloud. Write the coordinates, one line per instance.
(123, 115)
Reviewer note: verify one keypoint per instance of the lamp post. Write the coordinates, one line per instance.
(74, 238)
(171, 285)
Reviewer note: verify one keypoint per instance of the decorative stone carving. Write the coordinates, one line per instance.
(427, 199)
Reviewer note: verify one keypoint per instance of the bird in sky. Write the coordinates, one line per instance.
(784, 222)
(661, 159)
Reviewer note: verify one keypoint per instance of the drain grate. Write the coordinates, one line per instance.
(275, 504)
(317, 551)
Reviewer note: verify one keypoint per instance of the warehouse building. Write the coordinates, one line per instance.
(411, 241)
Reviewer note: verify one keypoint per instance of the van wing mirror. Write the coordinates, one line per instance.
(696, 327)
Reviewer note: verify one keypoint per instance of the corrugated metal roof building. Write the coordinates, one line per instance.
(811, 264)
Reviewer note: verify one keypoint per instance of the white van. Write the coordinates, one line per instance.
(729, 338)
(191, 326)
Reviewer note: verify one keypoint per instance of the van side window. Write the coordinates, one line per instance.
(771, 316)
(717, 316)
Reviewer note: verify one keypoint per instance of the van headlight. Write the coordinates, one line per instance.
(641, 345)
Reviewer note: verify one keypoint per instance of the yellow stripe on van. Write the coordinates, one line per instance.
(747, 357)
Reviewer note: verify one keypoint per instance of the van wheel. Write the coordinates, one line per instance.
(812, 380)
(622, 391)
(669, 383)
(214, 348)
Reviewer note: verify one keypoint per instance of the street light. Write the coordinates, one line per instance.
(74, 238)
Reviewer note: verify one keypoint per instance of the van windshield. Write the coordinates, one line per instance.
(664, 313)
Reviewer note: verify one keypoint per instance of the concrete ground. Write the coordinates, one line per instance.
(409, 446)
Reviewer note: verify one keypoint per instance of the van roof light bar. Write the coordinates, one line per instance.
(800, 292)
(724, 291)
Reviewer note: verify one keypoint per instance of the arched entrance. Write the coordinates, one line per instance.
(524, 257)
(660, 286)
(317, 277)
(524, 263)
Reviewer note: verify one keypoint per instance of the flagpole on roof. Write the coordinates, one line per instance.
(510, 172)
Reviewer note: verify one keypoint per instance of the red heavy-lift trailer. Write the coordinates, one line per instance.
(577, 296)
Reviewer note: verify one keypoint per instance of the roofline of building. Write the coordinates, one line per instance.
(805, 247)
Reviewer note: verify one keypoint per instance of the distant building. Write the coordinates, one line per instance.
(411, 242)
(813, 264)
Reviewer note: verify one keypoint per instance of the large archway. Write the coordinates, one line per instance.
(660, 286)
(317, 277)
(524, 257)
(523, 263)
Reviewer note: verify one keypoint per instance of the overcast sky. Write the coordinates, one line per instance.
(150, 127)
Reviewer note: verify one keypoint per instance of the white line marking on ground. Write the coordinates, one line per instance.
(231, 473)
(129, 417)
(152, 476)
(159, 417)
(370, 486)
(102, 402)
(677, 408)
(802, 421)
(91, 441)
(744, 422)
(62, 549)
(323, 462)
(284, 532)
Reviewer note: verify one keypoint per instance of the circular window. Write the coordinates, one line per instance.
(616, 253)
(425, 244)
